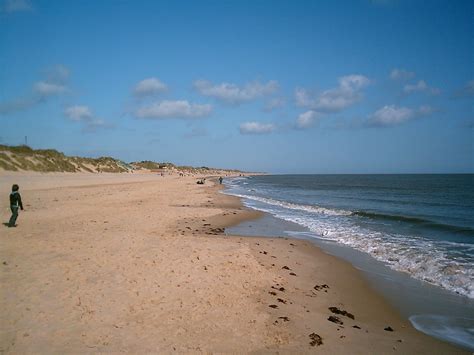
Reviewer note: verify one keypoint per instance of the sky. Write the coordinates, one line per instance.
(361, 86)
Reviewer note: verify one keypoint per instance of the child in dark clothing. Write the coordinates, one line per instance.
(15, 203)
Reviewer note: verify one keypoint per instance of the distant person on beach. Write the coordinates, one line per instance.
(220, 180)
(15, 203)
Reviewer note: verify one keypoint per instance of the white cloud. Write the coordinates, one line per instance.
(83, 114)
(274, 103)
(150, 86)
(78, 113)
(401, 74)
(306, 119)
(256, 128)
(17, 5)
(353, 82)
(334, 100)
(303, 98)
(233, 94)
(54, 84)
(420, 86)
(174, 109)
(44, 88)
(391, 115)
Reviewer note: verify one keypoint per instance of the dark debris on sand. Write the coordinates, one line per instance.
(216, 231)
(282, 289)
(315, 339)
(335, 319)
(320, 287)
(336, 310)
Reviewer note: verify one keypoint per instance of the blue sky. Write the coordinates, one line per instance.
(362, 86)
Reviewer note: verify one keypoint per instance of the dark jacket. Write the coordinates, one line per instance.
(15, 199)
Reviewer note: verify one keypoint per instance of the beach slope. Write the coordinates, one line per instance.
(138, 263)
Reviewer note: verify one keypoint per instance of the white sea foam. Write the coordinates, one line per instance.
(292, 206)
(425, 260)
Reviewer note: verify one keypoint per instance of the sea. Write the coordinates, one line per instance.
(412, 236)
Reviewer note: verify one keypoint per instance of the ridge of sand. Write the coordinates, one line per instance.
(138, 264)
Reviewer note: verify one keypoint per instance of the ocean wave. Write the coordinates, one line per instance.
(293, 206)
(415, 220)
(463, 230)
(426, 260)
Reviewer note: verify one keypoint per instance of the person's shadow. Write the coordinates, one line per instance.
(5, 224)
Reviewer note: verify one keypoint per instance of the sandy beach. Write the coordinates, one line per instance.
(139, 263)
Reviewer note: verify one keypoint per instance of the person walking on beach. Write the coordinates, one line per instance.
(220, 180)
(15, 203)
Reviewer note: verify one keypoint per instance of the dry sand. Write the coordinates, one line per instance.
(138, 263)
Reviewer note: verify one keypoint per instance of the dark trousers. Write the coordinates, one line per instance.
(14, 216)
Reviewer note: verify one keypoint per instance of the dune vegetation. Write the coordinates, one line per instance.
(25, 158)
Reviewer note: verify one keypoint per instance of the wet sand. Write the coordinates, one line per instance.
(138, 263)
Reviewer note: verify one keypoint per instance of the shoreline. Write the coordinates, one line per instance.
(380, 302)
(370, 301)
(432, 310)
(427, 307)
(142, 265)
